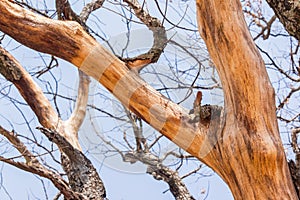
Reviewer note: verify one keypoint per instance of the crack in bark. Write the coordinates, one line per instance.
(83, 177)
(8, 68)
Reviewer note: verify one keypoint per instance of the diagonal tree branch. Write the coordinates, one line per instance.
(69, 41)
(32, 165)
(288, 12)
(83, 176)
(89, 8)
(11, 69)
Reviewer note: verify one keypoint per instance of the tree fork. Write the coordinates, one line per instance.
(68, 40)
(248, 152)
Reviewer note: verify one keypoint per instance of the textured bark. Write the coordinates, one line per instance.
(161, 172)
(84, 181)
(177, 187)
(33, 165)
(11, 69)
(159, 38)
(247, 152)
(83, 177)
(295, 172)
(249, 156)
(288, 12)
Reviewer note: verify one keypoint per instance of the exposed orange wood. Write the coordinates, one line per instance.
(69, 41)
(249, 154)
(246, 152)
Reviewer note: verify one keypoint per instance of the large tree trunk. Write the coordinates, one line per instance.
(246, 152)
(249, 154)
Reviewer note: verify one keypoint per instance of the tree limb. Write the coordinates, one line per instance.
(78, 114)
(70, 42)
(89, 8)
(83, 177)
(288, 13)
(33, 165)
(11, 69)
(249, 151)
(159, 36)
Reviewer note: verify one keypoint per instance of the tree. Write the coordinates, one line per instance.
(240, 142)
(288, 13)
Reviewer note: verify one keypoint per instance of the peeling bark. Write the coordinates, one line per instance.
(83, 177)
(288, 12)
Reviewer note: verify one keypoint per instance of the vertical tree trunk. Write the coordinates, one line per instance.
(249, 154)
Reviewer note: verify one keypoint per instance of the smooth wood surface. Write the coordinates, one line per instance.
(250, 157)
(69, 41)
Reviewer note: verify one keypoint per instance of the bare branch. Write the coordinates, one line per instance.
(89, 8)
(79, 48)
(79, 111)
(266, 28)
(286, 99)
(277, 67)
(11, 69)
(137, 130)
(82, 175)
(13, 139)
(34, 166)
(191, 172)
(64, 11)
(159, 36)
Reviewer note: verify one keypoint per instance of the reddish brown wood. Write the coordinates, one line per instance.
(249, 156)
(69, 41)
(247, 152)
